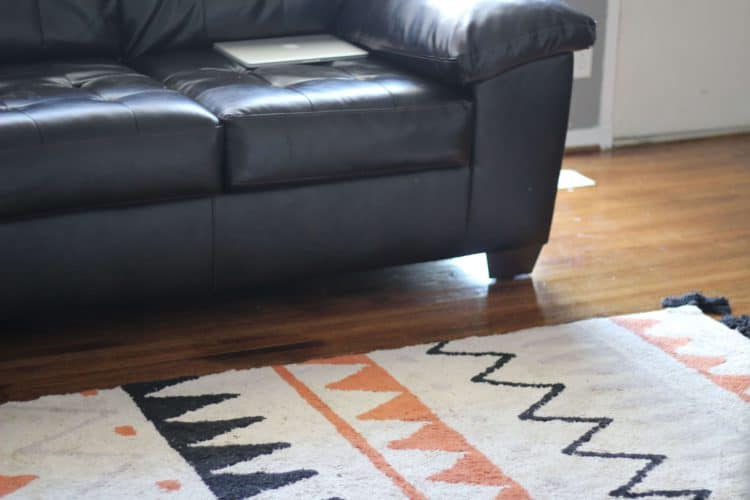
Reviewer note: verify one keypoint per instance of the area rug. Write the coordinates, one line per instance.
(655, 405)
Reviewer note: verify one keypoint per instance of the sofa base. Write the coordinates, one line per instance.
(513, 262)
(277, 235)
(112, 256)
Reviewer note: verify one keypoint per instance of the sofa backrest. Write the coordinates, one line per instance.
(160, 25)
(44, 29)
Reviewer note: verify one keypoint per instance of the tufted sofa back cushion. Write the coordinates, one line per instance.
(160, 25)
(47, 29)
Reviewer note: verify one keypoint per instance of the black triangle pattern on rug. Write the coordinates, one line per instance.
(182, 436)
(555, 389)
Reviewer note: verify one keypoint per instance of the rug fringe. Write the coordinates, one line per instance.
(711, 305)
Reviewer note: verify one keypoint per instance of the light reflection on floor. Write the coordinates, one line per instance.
(474, 267)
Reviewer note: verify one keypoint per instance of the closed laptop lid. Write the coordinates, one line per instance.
(288, 50)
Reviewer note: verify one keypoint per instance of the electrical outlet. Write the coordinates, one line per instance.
(583, 64)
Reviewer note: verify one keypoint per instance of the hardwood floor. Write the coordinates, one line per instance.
(664, 219)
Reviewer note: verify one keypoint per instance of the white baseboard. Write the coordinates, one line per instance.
(584, 138)
(598, 137)
(679, 136)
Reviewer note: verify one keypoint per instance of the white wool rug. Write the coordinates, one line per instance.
(654, 405)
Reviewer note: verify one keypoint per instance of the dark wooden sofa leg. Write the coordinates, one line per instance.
(510, 263)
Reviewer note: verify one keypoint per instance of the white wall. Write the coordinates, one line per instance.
(591, 106)
(683, 68)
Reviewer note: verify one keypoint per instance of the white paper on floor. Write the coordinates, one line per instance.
(572, 179)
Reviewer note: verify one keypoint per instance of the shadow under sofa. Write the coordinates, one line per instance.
(137, 163)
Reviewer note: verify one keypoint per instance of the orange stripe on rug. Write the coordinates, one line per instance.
(472, 468)
(738, 384)
(348, 432)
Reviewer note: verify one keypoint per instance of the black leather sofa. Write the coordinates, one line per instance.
(135, 162)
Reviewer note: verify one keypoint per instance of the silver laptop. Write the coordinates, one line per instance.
(290, 49)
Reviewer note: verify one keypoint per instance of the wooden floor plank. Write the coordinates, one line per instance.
(663, 219)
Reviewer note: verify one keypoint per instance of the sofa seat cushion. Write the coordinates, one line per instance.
(311, 122)
(77, 135)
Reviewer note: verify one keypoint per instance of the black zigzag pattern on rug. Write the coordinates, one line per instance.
(599, 424)
(182, 436)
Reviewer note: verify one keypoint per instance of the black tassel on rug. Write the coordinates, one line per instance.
(739, 323)
(712, 305)
(709, 305)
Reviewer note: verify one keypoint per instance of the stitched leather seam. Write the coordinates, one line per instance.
(296, 91)
(120, 35)
(113, 70)
(246, 79)
(104, 139)
(132, 113)
(136, 40)
(115, 75)
(53, 100)
(156, 91)
(75, 99)
(130, 110)
(41, 25)
(372, 80)
(344, 176)
(36, 125)
(285, 11)
(187, 72)
(86, 209)
(205, 23)
(399, 109)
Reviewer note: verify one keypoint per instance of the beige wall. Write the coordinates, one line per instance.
(683, 66)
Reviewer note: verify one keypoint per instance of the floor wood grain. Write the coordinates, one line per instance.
(664, 219)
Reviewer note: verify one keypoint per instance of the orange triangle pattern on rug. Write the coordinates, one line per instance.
(435, 436)
(404, 407)
(643, 327)
(10, 484)
(471, 468)
(370, 378)
(169, 485)
(475, 469)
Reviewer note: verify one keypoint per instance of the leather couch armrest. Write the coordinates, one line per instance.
(465, 41)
